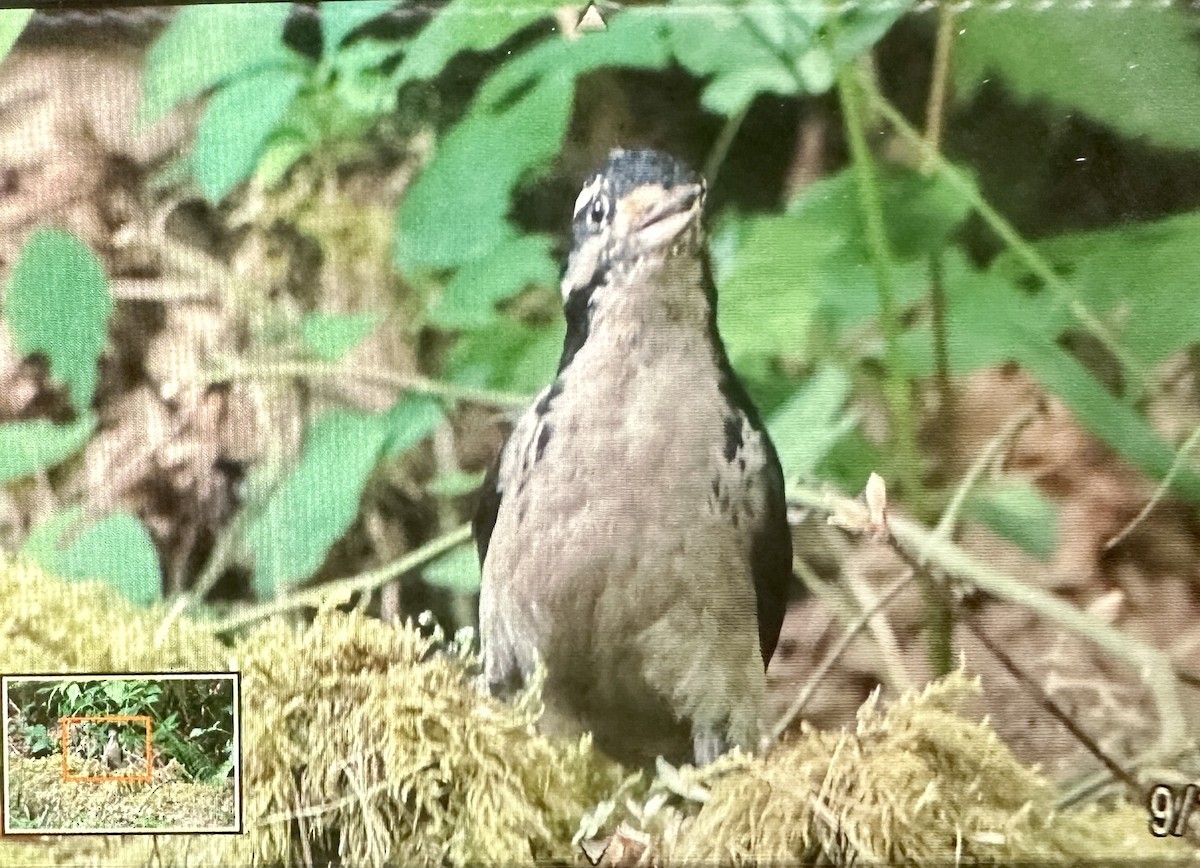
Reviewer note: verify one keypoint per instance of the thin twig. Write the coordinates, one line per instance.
(1152, 664)
(986, 458)
(334, 593)
(287, 369)
(1055, 710)
(835, 653)
(1161, 491)
(935, 107)
(720, 148)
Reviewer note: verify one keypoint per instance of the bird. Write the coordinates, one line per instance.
(633, 533)
(114, 757)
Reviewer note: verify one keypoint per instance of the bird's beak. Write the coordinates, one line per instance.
(682, 200)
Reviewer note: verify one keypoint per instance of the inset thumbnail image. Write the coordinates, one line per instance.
(121, 753)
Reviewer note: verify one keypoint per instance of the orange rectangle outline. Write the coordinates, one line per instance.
(64, 727)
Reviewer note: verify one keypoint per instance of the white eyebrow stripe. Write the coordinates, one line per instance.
(585, 195)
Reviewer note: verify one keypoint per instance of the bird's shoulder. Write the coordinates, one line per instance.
(507, 464)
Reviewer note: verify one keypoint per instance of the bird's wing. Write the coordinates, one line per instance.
(491, 492)
(487, 507)
(752, 451)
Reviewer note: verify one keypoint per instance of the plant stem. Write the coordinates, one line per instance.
(236, 369)
(335, 593)
(896, 384)
(914, 540)
(1023, 250)
(935, 108)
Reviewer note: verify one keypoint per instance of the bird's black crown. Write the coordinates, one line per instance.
(628, 170)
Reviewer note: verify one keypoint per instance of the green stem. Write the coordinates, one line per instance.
(897, 385)
(1021, 248)
(939, 617)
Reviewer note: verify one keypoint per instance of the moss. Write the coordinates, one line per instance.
(369, 744)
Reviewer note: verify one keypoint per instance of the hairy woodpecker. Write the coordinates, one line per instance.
(633, 532)
(113, 755)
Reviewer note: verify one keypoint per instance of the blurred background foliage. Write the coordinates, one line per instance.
(901, 198)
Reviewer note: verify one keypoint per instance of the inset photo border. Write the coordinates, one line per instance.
(122, 753)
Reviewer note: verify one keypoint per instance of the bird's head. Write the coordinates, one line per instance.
(638, 244)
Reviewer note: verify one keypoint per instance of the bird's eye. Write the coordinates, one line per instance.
(598, 210)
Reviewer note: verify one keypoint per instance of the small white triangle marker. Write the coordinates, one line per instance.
(591, 20)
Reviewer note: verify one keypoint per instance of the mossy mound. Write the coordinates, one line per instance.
(368, 744)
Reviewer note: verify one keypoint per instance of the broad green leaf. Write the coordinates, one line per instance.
(117, 549)
(636, 38)
(454, 484)
(507, 355)
(920, 212)
(236, 124)
(409, 421)
(27, 447)
(468, 25)
(457, 571)
(57, 303)
(12, 22)
(283, 149)
(783, 48)
(470, 297)
(341, 18)
(1019, 512)
(331, 336)
(316, 502)
(743, 50)
(811, 422)
(1133, 66)
(207, 44)
(456, 210)
(1140, 279)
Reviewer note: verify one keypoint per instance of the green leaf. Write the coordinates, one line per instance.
(456, 210)
(340, 19)
(469, 299)
(117, 549)
(27, 447)
(808, 426)
(1140, 279)
(1019, 512)
(637, 38)
(744, 51)
(207, 44)
(467, 25)
(754, 48)
(457, 571)
(1133, 67)
(454, 484)
(12, 22)
(331, 336)
(57, 303)
(236, 124)
(411, 420)
(518, 121)
(316, 502)
(507, 355)
(284, 148)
